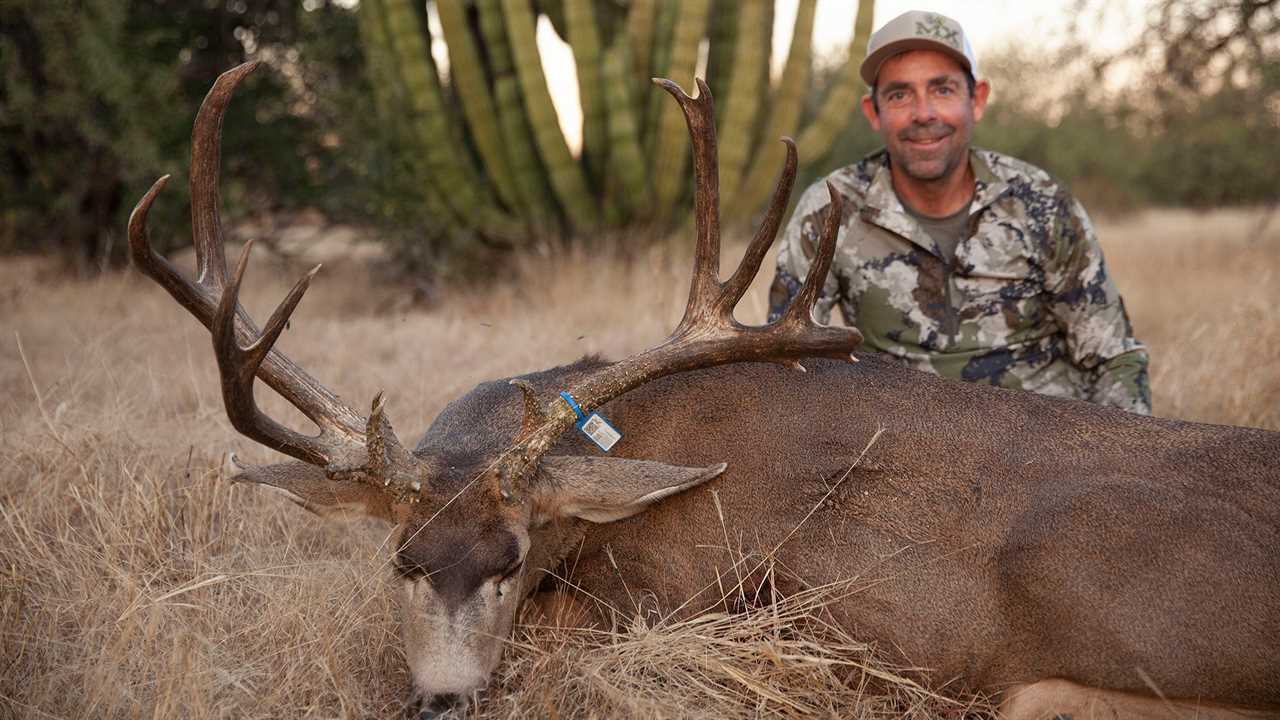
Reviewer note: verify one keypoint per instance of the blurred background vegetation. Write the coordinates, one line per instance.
(461, 161)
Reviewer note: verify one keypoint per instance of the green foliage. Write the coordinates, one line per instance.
(1068, 132)
(73, 137)
(97, 99)
(352, 115)
(1224, 150)
(1132, 147)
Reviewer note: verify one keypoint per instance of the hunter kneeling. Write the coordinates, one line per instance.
(957, 260)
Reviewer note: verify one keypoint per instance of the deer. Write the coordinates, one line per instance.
(1072, 560)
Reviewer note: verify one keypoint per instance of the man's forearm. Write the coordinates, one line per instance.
(1123, 382)
(784, 287)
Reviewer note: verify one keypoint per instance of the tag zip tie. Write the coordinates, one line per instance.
(576, 410)
(594, 426)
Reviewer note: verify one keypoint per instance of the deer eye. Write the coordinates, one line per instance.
(408, 569)
(512, 570)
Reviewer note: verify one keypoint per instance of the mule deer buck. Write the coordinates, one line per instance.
(1074, 559)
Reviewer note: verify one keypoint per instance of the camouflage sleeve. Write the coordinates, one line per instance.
(1089, 308)
(795, 254)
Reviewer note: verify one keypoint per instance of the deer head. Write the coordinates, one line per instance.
(470, 520)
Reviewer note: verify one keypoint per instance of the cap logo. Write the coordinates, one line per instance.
(935, 27)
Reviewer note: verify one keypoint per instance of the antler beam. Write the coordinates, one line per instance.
(242, 351)
(708, 334)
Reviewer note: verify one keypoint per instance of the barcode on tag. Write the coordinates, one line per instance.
(600, 432)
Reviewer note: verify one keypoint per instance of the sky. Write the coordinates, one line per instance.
(990, 25)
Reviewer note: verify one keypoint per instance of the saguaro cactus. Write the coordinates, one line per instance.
(491, 158)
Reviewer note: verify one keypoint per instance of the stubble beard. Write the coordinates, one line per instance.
(930, 164)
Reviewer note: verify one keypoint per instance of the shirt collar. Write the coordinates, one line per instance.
(988, 186)
(883, 208)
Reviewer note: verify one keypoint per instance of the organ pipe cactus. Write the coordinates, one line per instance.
(483, 139)
(783, 118)
(750, 61)
(565, 175)
(517, 135)
(671, 141)
(477, 102)
(585, 41)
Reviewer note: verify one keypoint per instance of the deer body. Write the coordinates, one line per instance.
(1060, 553)
(991, 537)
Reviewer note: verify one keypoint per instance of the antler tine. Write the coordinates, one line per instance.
(801, 308)
(736, 286)
(534, 415)
(239, 365)
(707, 334)
(155, 265)
(382, 447)
(242, 351)
(206, 157)
(279, 320)
(206, 168)
(699, 115)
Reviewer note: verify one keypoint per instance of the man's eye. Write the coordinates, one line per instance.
(944, 90)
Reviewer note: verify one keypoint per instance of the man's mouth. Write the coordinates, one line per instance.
(926, 141)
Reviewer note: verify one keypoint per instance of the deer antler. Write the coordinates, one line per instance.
(242, 351)
(707, 334)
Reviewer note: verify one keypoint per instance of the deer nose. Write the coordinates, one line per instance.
(434, 707)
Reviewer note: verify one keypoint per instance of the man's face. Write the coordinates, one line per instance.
(926, 114)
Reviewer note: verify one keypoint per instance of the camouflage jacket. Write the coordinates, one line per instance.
(1026, 303)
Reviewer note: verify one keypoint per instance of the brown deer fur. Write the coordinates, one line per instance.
(1078, 559)
(996, 537)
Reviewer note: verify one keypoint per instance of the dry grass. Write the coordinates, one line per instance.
(1203, 290)
(135, 581)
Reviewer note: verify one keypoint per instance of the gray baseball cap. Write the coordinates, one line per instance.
(917, 30)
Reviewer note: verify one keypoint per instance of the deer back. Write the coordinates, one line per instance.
(948, 518)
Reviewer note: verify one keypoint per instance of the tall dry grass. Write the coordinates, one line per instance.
(135, 581)
(1203, 291)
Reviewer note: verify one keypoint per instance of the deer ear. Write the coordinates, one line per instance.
(602, 489)
(309, 486)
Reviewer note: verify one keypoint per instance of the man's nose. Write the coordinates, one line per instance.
(922, 110)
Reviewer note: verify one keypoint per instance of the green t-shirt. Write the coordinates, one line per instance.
(947, 232)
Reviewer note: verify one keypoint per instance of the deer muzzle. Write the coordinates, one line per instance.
(453, 645)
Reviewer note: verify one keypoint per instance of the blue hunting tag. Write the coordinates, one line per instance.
(600, 431)
(594, 426)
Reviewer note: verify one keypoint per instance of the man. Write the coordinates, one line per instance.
(957, 260)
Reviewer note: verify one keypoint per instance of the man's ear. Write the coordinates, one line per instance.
(309, 486)
(981, 92)
(603, 489)
(869, 110)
